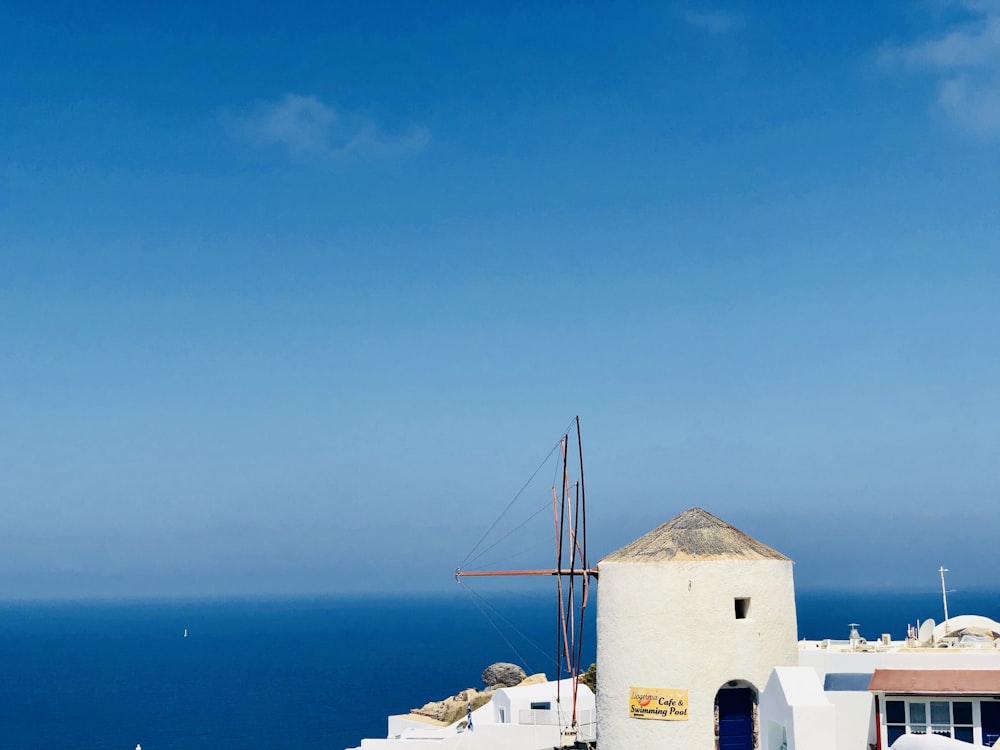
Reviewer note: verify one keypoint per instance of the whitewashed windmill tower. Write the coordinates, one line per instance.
(692, 618)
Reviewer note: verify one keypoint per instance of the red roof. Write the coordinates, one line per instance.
(937, 681)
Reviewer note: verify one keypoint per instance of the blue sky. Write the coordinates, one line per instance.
(295, 298)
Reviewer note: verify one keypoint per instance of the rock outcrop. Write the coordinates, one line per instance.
(503, 674)
(450, 710)
(455, 708)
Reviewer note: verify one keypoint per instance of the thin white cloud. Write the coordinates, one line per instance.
(965, 60)
(975, 45)
(973, 105)
(715, 22)
(308, 129)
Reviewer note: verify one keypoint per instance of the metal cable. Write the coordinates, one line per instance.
(514, 500)
(512, 626)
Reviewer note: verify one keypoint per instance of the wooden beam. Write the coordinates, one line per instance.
(459, 573)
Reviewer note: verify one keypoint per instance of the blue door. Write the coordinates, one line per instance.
(990, 713)
(735, 719)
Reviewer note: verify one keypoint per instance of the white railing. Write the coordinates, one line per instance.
(552, 718)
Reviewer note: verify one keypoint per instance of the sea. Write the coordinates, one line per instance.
(307, 672)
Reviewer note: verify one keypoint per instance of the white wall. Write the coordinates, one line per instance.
(855, 718)
(815, 728)
(776, 719)
(793, 701)
(401, 722)
(673, 625)
(485, 737)
(824, 661)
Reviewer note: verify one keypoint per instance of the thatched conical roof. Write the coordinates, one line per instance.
(695, 534)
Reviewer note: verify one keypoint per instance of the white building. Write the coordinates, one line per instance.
(526, 717)
(939, 691)
(692, 619)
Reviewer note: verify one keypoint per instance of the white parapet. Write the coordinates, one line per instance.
(796, 713)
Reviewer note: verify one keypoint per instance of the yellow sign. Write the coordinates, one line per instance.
(658, 703)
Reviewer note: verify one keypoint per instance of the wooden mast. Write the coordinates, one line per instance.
(569, 508)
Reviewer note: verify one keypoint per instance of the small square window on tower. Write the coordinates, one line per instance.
(742, 607)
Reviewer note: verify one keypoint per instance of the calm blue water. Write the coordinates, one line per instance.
(294, 673)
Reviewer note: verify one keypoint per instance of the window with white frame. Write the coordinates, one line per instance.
(922, 716)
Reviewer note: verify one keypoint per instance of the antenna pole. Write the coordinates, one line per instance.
(583, 494)
(581, 507)
(944, 597)
(562, 642)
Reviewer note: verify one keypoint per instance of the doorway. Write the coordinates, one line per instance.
(735, 707)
